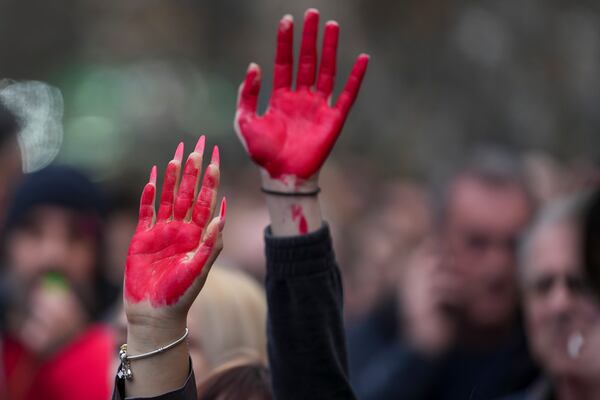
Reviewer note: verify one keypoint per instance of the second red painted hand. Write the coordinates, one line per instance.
(299, 128)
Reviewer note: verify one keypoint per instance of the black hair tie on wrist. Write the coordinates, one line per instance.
(291, 194)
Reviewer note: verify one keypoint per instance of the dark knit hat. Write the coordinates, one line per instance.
(60, 186)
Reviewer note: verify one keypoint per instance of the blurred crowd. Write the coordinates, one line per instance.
(463, 278)
(469, 282)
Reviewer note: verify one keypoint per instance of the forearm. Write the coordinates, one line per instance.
(307, 349)
(292, 215)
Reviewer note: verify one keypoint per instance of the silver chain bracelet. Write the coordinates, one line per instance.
(125, 367)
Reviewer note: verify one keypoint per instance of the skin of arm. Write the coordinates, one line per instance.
(168, 261)
(293, 138)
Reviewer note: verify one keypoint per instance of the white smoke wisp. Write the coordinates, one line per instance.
(39, 108)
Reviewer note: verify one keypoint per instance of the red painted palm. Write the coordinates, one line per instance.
(167, 256)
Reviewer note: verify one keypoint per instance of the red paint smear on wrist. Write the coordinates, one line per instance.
(298, 216)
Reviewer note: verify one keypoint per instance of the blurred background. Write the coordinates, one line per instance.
(130, 79)
(139, 76)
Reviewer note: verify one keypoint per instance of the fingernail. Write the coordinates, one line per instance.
(216, 158)
(223, 208)
(200, 145)
(179, 153)
(286, 22)
(153, 175)
(222, 214)
(252, 67)
(311, 11)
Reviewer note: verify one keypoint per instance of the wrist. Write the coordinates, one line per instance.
(162, 371)
(145, 337)
(289, 183)
(296, 214)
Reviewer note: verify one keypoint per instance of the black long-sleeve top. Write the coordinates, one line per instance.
(307, 347)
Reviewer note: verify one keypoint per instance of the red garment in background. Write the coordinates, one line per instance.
(80, 370)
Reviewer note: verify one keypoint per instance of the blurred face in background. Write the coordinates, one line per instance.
(483, 222)
(52, 239)
(51, 261)
(562, 319)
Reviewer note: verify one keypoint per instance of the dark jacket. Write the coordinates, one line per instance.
(384, 366)
(540, 390)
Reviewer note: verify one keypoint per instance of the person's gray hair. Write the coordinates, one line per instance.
(490, 164)
(567, 209)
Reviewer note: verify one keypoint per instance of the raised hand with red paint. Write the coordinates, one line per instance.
(169, 254)
(297, 132)
(169, 258)
(293, 138)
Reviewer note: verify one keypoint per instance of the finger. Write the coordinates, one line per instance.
(170, 185)
(348, 95)
(146, 215)
(328, 66)
(284, 54)
(206, 201)
(248, 92)
(211, 245)
(307, 62)
(247, 101)
(196, 269)
(189, 182)
(213, 238)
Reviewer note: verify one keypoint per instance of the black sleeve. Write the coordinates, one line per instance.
(187, 392)
(307, 349)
